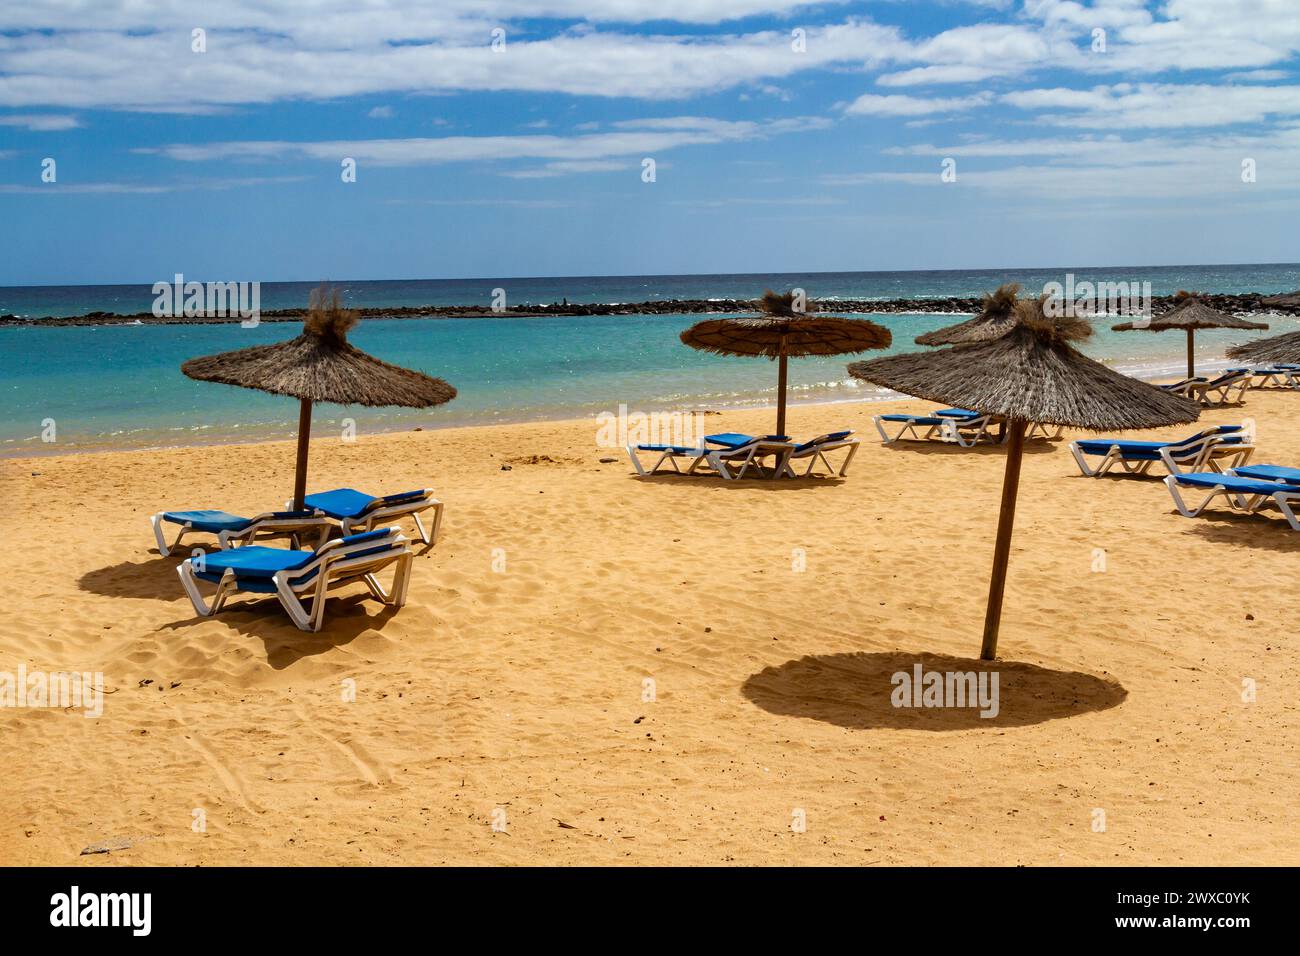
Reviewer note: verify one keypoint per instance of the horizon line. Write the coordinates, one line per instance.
(688, 275)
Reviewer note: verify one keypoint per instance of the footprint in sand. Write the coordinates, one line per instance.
(372, 770)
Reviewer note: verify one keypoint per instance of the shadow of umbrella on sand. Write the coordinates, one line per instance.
(783, 331)
(320, 366)
(1030, 374)
(1189, 313)
(996, 319)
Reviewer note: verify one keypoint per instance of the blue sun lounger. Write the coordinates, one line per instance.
(1203, 450)
(815, 450)
(232, 530)
(357, 511)
(733, 449)
(719, 452)
(292, 574)
(1180, 385)
(1277, 473)
(669, 454)
(1244, 495)
(958, 426)
(1269, 376)
(1229, 387)
(738, 448)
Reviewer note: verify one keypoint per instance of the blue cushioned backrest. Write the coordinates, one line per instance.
(399, 498)
(364, 536)
(341, 502)
(731, 439)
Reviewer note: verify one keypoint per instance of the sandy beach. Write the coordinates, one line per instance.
(511, 689)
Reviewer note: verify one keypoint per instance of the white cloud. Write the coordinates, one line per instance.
(1190, 35)
(328, 21)
(1157, 106)
(593, 152)
(1106, 168)
(84, 68)
(948, 73)
(381, 112)
(1104, 13)
(871, 104)
(1258, 76)
(86, 53)
(136, 188)
(1004, 148)
(41, 122)
(568, 167)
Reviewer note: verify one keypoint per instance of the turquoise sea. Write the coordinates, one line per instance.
(121, 386)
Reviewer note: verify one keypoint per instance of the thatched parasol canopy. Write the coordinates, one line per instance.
(1190, 312)
(783, 331)
(1031, 374)
(996, 319)
(1281, 349)
(320, 365)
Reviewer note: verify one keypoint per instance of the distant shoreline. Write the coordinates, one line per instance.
(282, 431)
(1247, 302)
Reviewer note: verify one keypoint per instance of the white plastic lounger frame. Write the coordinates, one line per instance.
(1043, 431)
(818, 452)
(669, 454)
(751, 454)
(267, 525)
(367, 520)
(334, 565)
(1270, 377)
(965, 432)
(1201, 453)
(1220, 391)
(1217, 455)
(384, 513)
(1284, 498)
(1267, 377)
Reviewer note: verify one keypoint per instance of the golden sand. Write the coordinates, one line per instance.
(516, 695)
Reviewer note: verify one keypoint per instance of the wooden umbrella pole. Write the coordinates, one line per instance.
(780, 393)
(300, 471)
(1002, 549)
(1191, 353)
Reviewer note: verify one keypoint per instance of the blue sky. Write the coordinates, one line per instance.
(786, 136)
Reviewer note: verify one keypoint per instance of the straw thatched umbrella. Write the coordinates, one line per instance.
(996, 319)
(320, 366)
(781, 332)
(1190, 313)
(1031, 374)
(1281, 349)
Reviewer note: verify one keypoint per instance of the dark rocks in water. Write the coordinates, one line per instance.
(1232, 303)
(1289, 301)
